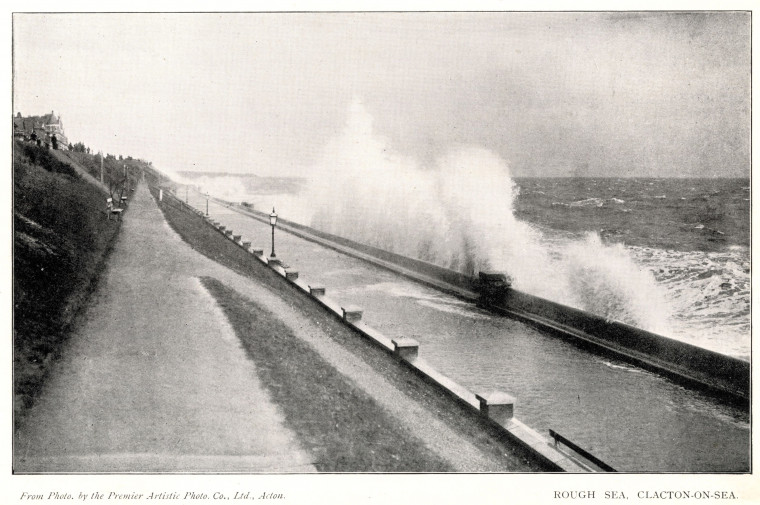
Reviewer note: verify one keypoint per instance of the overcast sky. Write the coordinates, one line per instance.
(626, 94)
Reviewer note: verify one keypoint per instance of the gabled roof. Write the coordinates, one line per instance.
(31, 122)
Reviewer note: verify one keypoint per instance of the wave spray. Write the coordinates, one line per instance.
(458, 212)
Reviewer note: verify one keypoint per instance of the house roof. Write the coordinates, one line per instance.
(29, 122)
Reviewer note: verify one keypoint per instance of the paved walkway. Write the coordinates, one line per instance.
(155, 379)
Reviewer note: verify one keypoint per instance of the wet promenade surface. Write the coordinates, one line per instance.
(632, 419)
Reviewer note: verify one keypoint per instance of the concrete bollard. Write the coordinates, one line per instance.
(246, 245)
(228, 233)
(291, 275)
(273, 262)
(352, 314)
(237, 238)
(497, 406)
(406, 348)
(316, 290)
(222, 227)
(257, 252)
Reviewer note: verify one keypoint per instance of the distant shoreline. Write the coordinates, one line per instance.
(196, 174)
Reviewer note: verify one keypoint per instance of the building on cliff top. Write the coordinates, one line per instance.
(45, 130)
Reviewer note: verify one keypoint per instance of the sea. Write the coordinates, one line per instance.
(670, 256)
(691, 235)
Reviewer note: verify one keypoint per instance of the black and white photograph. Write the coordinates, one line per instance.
(321, 254)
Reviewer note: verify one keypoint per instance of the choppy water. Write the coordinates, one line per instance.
(692, 235)
(668, 214)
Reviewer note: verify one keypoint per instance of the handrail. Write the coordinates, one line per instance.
(582, 452)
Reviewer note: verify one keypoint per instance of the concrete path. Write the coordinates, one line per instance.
(155, 379)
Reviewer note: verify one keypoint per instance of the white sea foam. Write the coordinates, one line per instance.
(709, 294)
(458, 212)
(588, 202)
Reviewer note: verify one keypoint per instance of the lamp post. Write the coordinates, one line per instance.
(206, 203)
(273, 222)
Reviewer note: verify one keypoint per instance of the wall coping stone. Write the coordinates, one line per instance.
(291, 275)
(316, 290)
(352, 313)
(406, 348)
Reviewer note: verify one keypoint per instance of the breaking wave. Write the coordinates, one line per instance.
(457, 212)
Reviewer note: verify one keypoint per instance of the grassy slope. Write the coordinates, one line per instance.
(61, 238)
(342, 427)
(209, 242)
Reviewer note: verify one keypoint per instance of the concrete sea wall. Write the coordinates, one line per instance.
(700, 367)
(727, 376)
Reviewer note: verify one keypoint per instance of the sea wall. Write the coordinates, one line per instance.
(727, 376)
(422, 267)
(679, 360)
